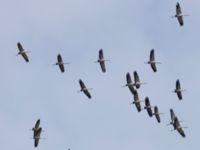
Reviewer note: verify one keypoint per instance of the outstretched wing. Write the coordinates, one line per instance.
(178, 8)
(180, 20)
(21, 49)
(178, 85)
(82, 85)
(87, 93)
(152, 55)
(172, 115)
(59, 58)
(62, 68)
(24, 55)
(101, 54)
(37, 124)
(138, 106)
(179, 94)
(128, 78)
(153, 66)
(103, 66)
(181, 132)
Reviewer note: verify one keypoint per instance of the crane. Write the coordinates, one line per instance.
(137, 101)
(36, 133)
(102, 61)
(178, 89)
(22, 52)
(179, 14)
(84, 89)
(148, 107)
(152, 61)
(60, 63)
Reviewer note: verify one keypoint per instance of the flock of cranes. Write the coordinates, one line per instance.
(137, 101)
(133, 86)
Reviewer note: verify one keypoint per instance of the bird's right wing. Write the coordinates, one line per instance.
(178, 85)
(136, 77)
(103, 66)
(82, 85)
(178, 8)
(87, 93)
(152, 55)
(181, 132)
(20, 47)
(128, 78)
(59, 58)
(37, 124)
(101, 54)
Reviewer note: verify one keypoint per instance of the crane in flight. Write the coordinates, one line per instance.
(148, 107)
(137, 101)
(178, 90)
(102, 61)
(36, 133)
(179, 14)
(84, 89)
(22, 52)
(152, 61)
(60, 63)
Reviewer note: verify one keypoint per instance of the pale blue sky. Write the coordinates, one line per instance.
(126, 30)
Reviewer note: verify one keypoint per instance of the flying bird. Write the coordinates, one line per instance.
(84, 89)
(179, 14)
(129, 83)
(22, 52)
(176, 123)
(60, 63)
(36, 133)
(102, 61)
(148, 107)
(152, 61)
(157, 114)
(178, 90)
(137, 80)
(137, 101)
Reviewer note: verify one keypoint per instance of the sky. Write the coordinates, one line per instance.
(126, 31)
